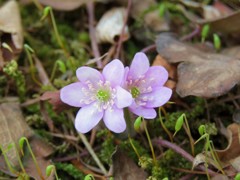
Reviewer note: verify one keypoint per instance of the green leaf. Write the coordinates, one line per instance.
(46, 12)
(89, 177)
(217, 42)
(21, 143)
(49, 170)
(202, 130)
(237, 177)
(179, 123)
(162, 9)
(61, 66)
(137, 123)
(205, 32)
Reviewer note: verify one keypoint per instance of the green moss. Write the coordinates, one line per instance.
(68, 171)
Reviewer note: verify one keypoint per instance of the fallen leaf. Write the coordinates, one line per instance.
(124, 167)
(233, 149)
(199, 73)
(172, 71)
(109, 27)
(13, 126)
(11, 29)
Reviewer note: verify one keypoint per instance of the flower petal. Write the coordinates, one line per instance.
(139, 66)
(87, 118)
(155, 76)
(72, 94)
(158, 97)
(114, 120)
(148, 113)
(123, 98)
(114, 72)
(89, 74)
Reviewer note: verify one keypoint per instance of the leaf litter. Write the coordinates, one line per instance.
(204, 81)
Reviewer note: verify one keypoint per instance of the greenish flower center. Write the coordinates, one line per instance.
(135, 92)
(103, 95)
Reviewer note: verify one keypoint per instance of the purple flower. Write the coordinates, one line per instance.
(146, 86)
(100, 96)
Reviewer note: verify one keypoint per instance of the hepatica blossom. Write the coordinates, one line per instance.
(100, 96)
(146, 86)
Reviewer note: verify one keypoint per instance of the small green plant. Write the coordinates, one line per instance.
(183, 122)
(49, 12)
(217, 42)
(205, 32)
(50, 169)
(89, 177)
(209, 147)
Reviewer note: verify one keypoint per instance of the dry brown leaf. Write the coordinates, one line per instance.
(232, 151)
(124, 167)
(199, 73)
(172, 71)
(109, 27)
(11, 28)
(12, 125)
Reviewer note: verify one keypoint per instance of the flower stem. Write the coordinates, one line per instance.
(163, 125)
(55, 29)
(93, 154)
(22, 139)
(28, 51)
(150, 142)
(134, 148)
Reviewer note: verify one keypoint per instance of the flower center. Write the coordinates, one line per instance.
(103, 95)
(135, 92)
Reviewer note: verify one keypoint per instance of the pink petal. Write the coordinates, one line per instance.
(88, 74)
(123, 98)
(139, 66)
(72, 94)
(87, 118)
(158, 97)
(114, 72)
(114, 120)
(155, 76)
(148, 113)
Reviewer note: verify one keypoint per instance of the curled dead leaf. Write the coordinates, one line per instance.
(199, 73)
(13, 126)
(109, 27)
(11, 29)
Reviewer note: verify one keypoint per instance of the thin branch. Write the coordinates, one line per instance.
(182, 152)
(92, 32)
(149, 48)
(119, 43)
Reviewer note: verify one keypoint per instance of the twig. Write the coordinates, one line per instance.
(91, 151)
(192, 34)
(149, 48)
(92, 32)
(120, 40)
(182, 152)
